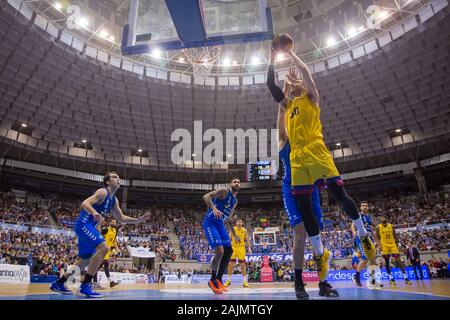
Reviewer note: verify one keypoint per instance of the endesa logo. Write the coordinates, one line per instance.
(339, 275)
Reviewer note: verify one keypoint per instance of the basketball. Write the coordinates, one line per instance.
(282, 42)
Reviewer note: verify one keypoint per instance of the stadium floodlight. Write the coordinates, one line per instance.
(398, 130)
(383, 14)
(24, 125)
(111, 38)
(139, 150)
(181, 59)
(84, 140)
(279, 56)
(58, 5)
(193, 154)
(338, 144)
(229, 156)
(103, 33)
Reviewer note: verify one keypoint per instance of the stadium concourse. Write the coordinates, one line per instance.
(93, 87)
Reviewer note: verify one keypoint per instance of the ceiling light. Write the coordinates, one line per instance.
(398, 130)
(193, 154)
(383, 14)
(351, 32)
(111, 38)
(181, 59)
(83, 22)
(255, 60)
(84, 140)
(103, 33)
(279, 56)
(24, 125)
(338, 144)
(226, 61)
(331, 41)
(234, 62)
(229, 156)
(361, 28)
(58, 5)
(139, 150)
(156, 53)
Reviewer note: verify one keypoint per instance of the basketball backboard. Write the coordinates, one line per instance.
(175, 24)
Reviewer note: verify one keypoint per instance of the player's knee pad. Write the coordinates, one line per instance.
(304, 205)
(338, 190)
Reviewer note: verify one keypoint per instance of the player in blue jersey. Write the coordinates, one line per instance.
(290, 205)
(367, 221)
(91, 244)
(221, 204)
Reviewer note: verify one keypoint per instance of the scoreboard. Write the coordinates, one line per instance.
(262, 170)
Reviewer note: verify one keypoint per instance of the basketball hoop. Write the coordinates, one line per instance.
(202, 59)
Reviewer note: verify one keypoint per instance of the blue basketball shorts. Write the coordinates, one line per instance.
(216, 233)
(359, 248)
(88, 239)
(293, 212)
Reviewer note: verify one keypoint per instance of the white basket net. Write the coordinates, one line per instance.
(202, 59)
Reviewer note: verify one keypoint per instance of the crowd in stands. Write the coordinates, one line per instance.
(405, 211)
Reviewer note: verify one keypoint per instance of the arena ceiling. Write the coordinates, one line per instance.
(89, 116)
(320, 28)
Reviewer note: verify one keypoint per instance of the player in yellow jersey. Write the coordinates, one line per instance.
(311, 161)
(239, 251)
(110, 235)
(386, 239)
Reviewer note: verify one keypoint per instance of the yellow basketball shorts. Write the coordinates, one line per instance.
(312, 164)
(389, 248)
(238, 253)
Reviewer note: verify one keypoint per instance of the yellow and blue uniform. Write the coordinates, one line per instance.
(367, 221)
(239, 246)
(110, 238)
(387, 240)
(311, 161)
(215, 231)
(288, 199)
(86, 228)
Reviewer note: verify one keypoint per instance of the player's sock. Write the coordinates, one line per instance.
(213, 275)
(317, 245)
(358, 274)
(298, 274)
(61, 280)
(362, 232)
(87, 278)
(109, 279)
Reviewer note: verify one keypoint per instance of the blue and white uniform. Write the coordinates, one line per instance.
(290, 204)
(85, 228)
(367, 221)
(215, 230)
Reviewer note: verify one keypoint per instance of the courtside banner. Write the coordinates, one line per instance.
(173, 278)
(346, 275)
(14, 274)
(279, 257)
(123, 277)
(204, 278)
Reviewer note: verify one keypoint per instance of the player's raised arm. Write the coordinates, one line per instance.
(311, 87)
(275, 90)
(118, 214)
(88, 203)
(218, 193)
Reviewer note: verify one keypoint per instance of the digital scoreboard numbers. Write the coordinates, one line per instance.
(262, 170)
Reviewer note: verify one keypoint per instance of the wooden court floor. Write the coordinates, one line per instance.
(419, 290)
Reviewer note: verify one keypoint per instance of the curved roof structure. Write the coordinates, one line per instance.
(385, 106)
